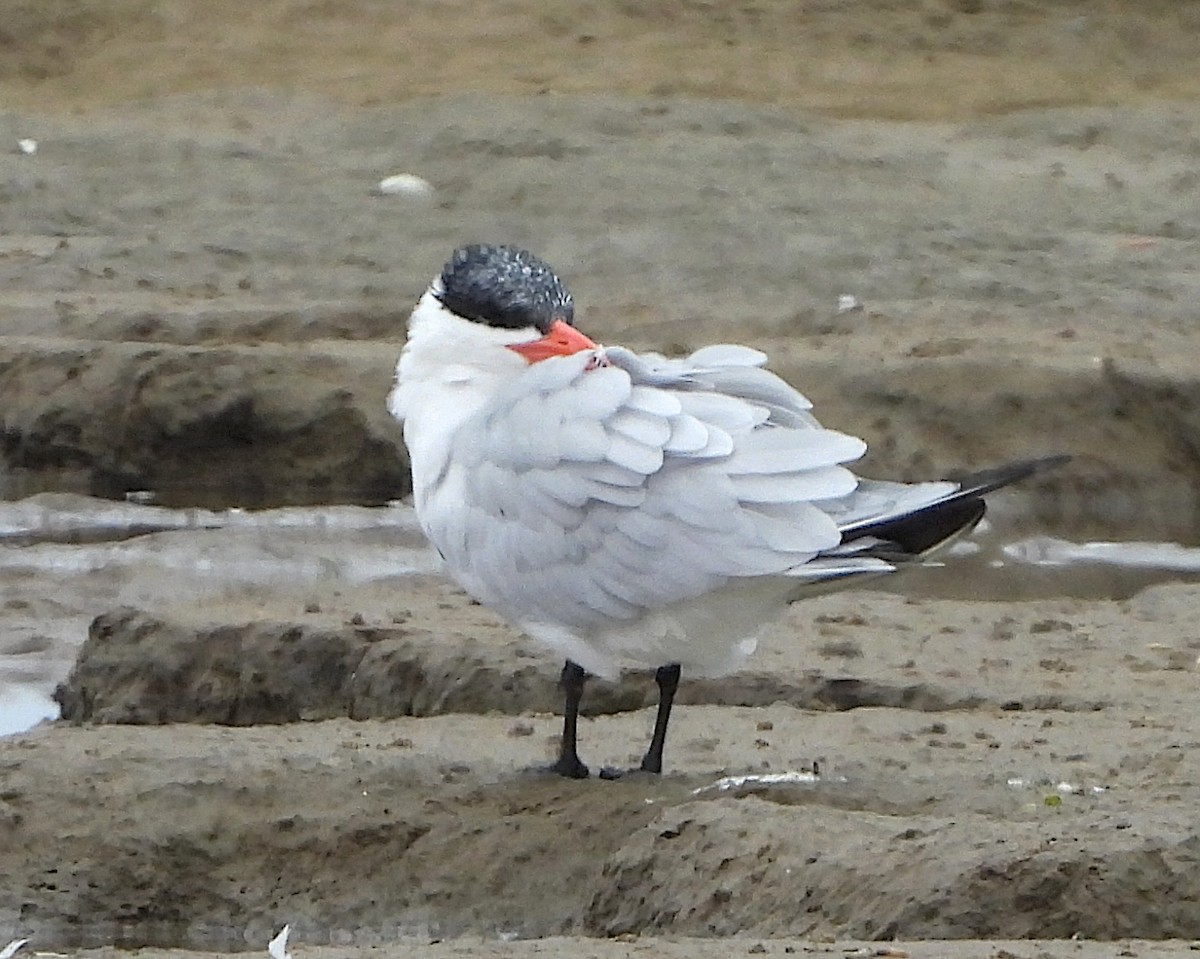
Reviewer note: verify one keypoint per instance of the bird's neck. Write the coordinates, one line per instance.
(448, 370)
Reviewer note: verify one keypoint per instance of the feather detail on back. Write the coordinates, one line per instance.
(670, 477)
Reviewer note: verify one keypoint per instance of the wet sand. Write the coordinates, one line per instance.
(203, 296)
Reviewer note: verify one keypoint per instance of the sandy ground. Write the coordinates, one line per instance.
(289, 717)
(671, 947)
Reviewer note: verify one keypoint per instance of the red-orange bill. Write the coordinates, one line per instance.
(562, 340)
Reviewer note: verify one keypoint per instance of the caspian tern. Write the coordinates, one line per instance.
(629, 510)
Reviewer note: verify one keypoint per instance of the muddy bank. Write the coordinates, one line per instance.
(208, 837)
(199, 427)
(985, 770)
(211, 308)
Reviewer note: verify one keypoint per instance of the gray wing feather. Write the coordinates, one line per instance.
(726, 413)
(633, 455)
(642, 427)
(791, 487)
(874, 500)
(688, 435)
(726, 354)
(655, 402)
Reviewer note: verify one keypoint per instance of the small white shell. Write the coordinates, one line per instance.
(406, 184)
(277, 947)
(27, 146)
(8, 951)
(763, 780)
(848, 303)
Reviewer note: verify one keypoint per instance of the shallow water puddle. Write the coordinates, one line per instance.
(1042, 567)
(65, 558)
(363, 543)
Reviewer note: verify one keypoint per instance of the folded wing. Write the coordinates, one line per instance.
(631, 486)
(628, 487)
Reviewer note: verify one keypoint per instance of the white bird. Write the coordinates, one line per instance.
(628, 510)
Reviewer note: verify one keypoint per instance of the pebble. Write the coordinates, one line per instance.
(405, 184)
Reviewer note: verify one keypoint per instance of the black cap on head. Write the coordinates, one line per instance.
(504, 286)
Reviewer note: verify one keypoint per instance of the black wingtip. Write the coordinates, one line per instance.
(985, 481)
(923, 530)
(916, 534)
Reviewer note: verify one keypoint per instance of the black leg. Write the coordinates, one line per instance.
(667, 678)
(568, 764)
